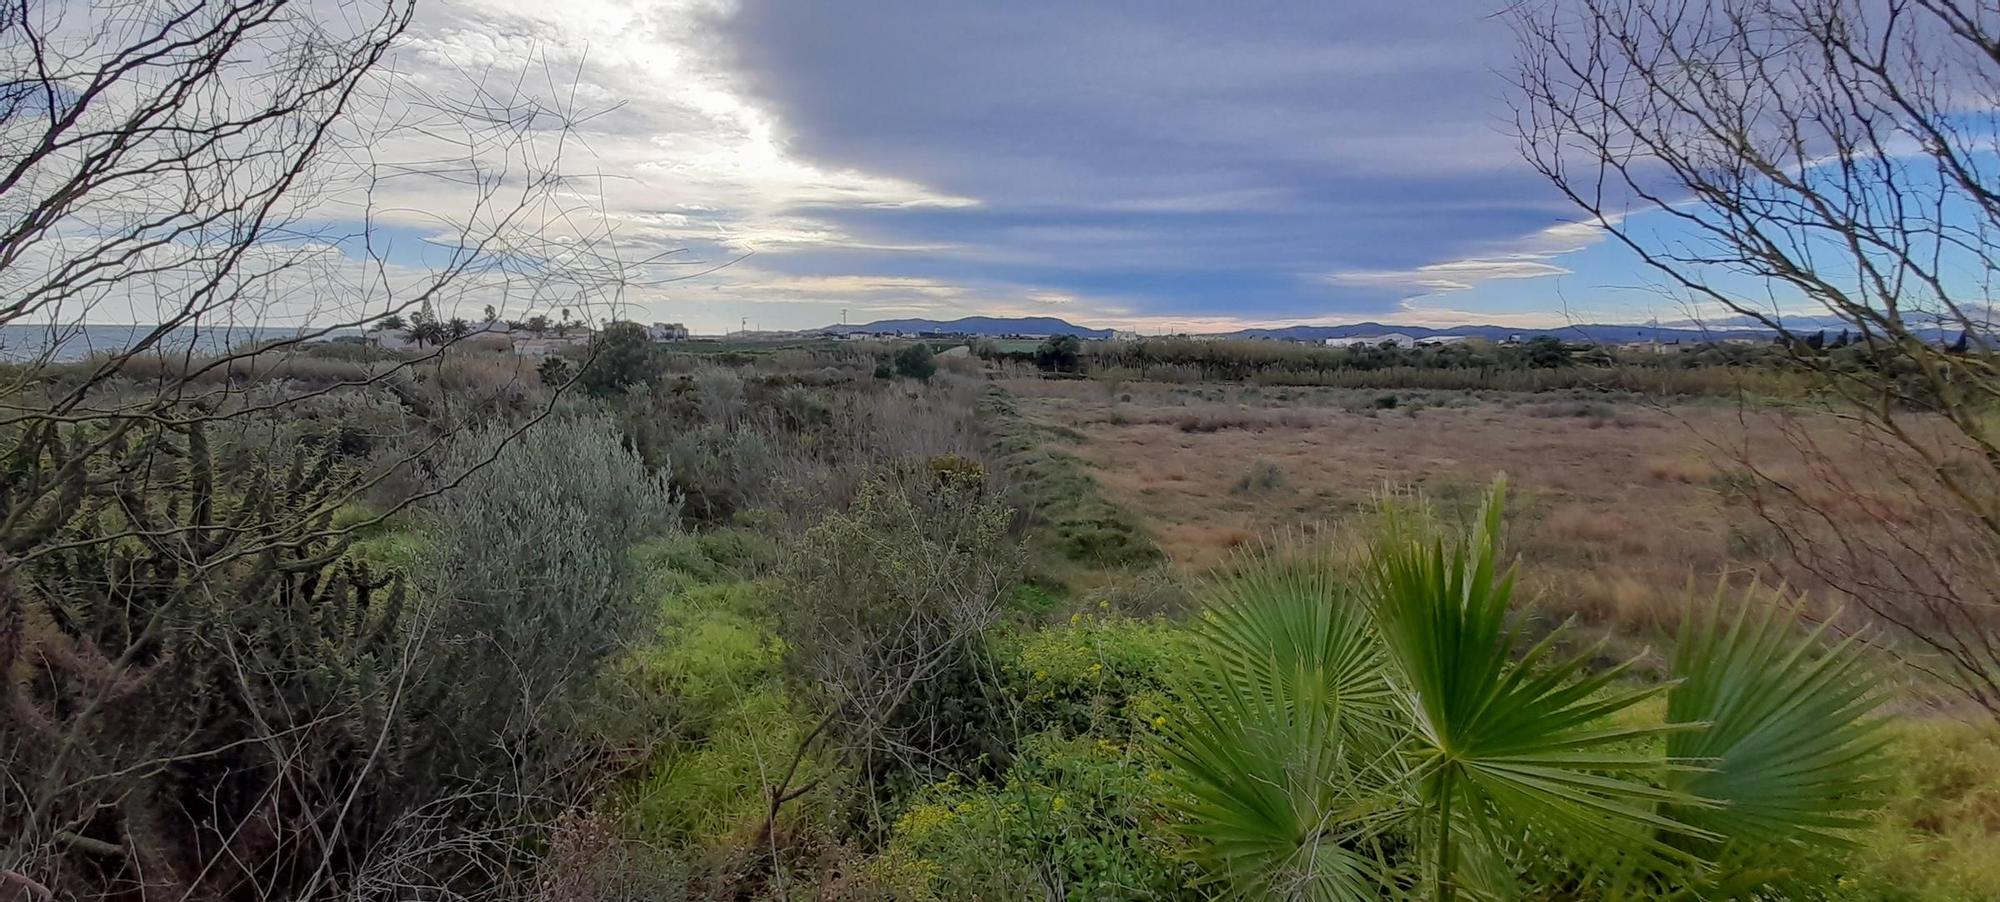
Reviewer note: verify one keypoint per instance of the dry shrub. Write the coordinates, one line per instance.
(1587, 525)
(1633, 602)
(1681, 469)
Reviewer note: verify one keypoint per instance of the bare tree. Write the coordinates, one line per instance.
(1832, 161)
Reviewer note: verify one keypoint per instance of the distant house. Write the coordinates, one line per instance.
(666, 332)
(1126, 335)
(1401, 339)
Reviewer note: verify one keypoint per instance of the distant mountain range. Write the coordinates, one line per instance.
(1597, 333)
(992, 326)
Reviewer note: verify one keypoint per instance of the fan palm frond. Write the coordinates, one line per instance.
(1790, 747)
(1290, 756)
(1505, 742)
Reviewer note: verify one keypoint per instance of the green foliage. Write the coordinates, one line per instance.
(1059, 353)
(1546, 351)
(1503, 744)
(553, 371)
(1286, 756)
(915, 361)
(1094, 674)
(882, 609)
(1073, 518)
(527, 564)
(1939, 838)
(686, 560)
(1789, 748)
(1075, 817)
(165, 628)
(1333, 736)
(713, 790)
(621, 356)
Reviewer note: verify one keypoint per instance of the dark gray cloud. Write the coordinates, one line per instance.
(1184, 157)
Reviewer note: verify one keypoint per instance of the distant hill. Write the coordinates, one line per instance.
(1597, 333)
(979, 325)
(1600, 333)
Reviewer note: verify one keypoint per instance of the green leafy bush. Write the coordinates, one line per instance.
(1075, 817)
(1096, 674)
(527, 569)
(882, 609)
(916, 362)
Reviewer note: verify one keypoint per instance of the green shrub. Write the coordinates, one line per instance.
(621, 356)
(1070, 515)
(528, 567)
(1939, 834)
(916, 362)
(882, 608)
(1098, 673)
(712, 791)
(1075, 817)
(174, 637)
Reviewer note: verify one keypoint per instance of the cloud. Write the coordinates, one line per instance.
(1168, 164)
(1187, 158)
(1457, 275)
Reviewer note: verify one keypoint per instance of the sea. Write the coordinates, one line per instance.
(21, 343)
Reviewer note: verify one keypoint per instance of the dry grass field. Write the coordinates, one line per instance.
(1616, 505)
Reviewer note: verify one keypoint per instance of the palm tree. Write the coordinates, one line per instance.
(1356, 732)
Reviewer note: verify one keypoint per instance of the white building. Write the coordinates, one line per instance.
(1402, 340)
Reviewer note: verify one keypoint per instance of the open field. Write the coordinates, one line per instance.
(1616, 504)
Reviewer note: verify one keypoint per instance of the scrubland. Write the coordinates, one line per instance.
(777, 622)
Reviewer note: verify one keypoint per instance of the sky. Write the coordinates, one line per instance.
(1157, 166)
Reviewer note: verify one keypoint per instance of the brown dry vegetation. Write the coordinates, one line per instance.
(1617, 504)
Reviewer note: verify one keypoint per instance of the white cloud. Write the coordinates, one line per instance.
(1456, 275)
(1530, 257)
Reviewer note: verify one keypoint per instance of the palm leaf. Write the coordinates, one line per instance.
(1791, 744)
(1506, 744)
(1289, 757)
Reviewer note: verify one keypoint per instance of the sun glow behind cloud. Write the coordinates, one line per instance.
(1287, 172)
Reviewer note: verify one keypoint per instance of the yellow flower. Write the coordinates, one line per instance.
(1056, 804)
(1096, 669)
(1159, 722)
